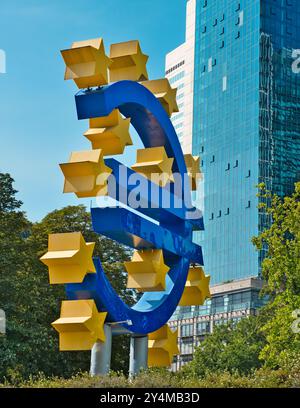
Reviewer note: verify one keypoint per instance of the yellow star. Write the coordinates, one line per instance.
(196, 289)
(87, 63)
(147, 271)
(80, 325)
(154, 164)
(69, 258)
(193, 169)
(109, 133)
(162, 347)
(161, 88)
(128, 62)
(86, 174)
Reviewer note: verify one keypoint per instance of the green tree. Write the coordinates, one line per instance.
(281, 271)
(232, 348)
(8, 202)
(112, 255)
(14, 228)
(31, 303)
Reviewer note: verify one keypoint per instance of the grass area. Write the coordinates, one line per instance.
(262, 378)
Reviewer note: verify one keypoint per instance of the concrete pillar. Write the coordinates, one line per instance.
(138, 355)
(101, 354)
(2, 322)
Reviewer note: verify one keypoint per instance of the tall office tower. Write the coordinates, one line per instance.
(246, 128)
(180, 72)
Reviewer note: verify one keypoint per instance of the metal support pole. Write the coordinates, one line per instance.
(138, 355)
(101, 354)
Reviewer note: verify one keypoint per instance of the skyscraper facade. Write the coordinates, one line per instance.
(180, 72)
(246, 122)
(246, 128)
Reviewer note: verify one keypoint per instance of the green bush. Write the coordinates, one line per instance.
(288, 376)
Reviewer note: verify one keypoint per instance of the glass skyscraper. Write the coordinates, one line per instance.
(242, 71)
(246, 123)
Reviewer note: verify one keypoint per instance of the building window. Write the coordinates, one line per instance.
(205, 3)
(222, 44)
(180, 86)
(237, 35)
(186, 358)
(214, 63)
(237, 21)
(203, 328)
(222, 31)
(236, 164)
(213, 159)
(211, 217)
(249, 204)
(249, 174)
(187, 330)
(204, 68)
(210, 65)
(176, 77)
(222, 18)
(204, 30)
(178, 126)
(218, 304)
(220, 214)
(175, 67)
(228, 167)
(227, 211)
(202, 149)
(241, 18)
(186, 346)
(215, 22)
(176, 117)
(224, 84)
(238, 7)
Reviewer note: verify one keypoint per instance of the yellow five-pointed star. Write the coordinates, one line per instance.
(128, 62)
(193, 169)
(87, 63)
(154, 164)
(196, 289)
(80, 325)
(109, 133)
(162, 347)
(147, 271)
(86, 174)
(161, 88)
(69, 258)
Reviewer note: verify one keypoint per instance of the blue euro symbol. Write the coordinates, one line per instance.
(172, 232)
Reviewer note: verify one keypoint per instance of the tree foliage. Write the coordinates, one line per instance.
(8, 202)
(266, 339)
(281, 265)
(281, 271)
(31, 304)
(232, 348)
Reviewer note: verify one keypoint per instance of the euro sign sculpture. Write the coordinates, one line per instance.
(166, 266)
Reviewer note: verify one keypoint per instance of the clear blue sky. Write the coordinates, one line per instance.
(38, 123)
